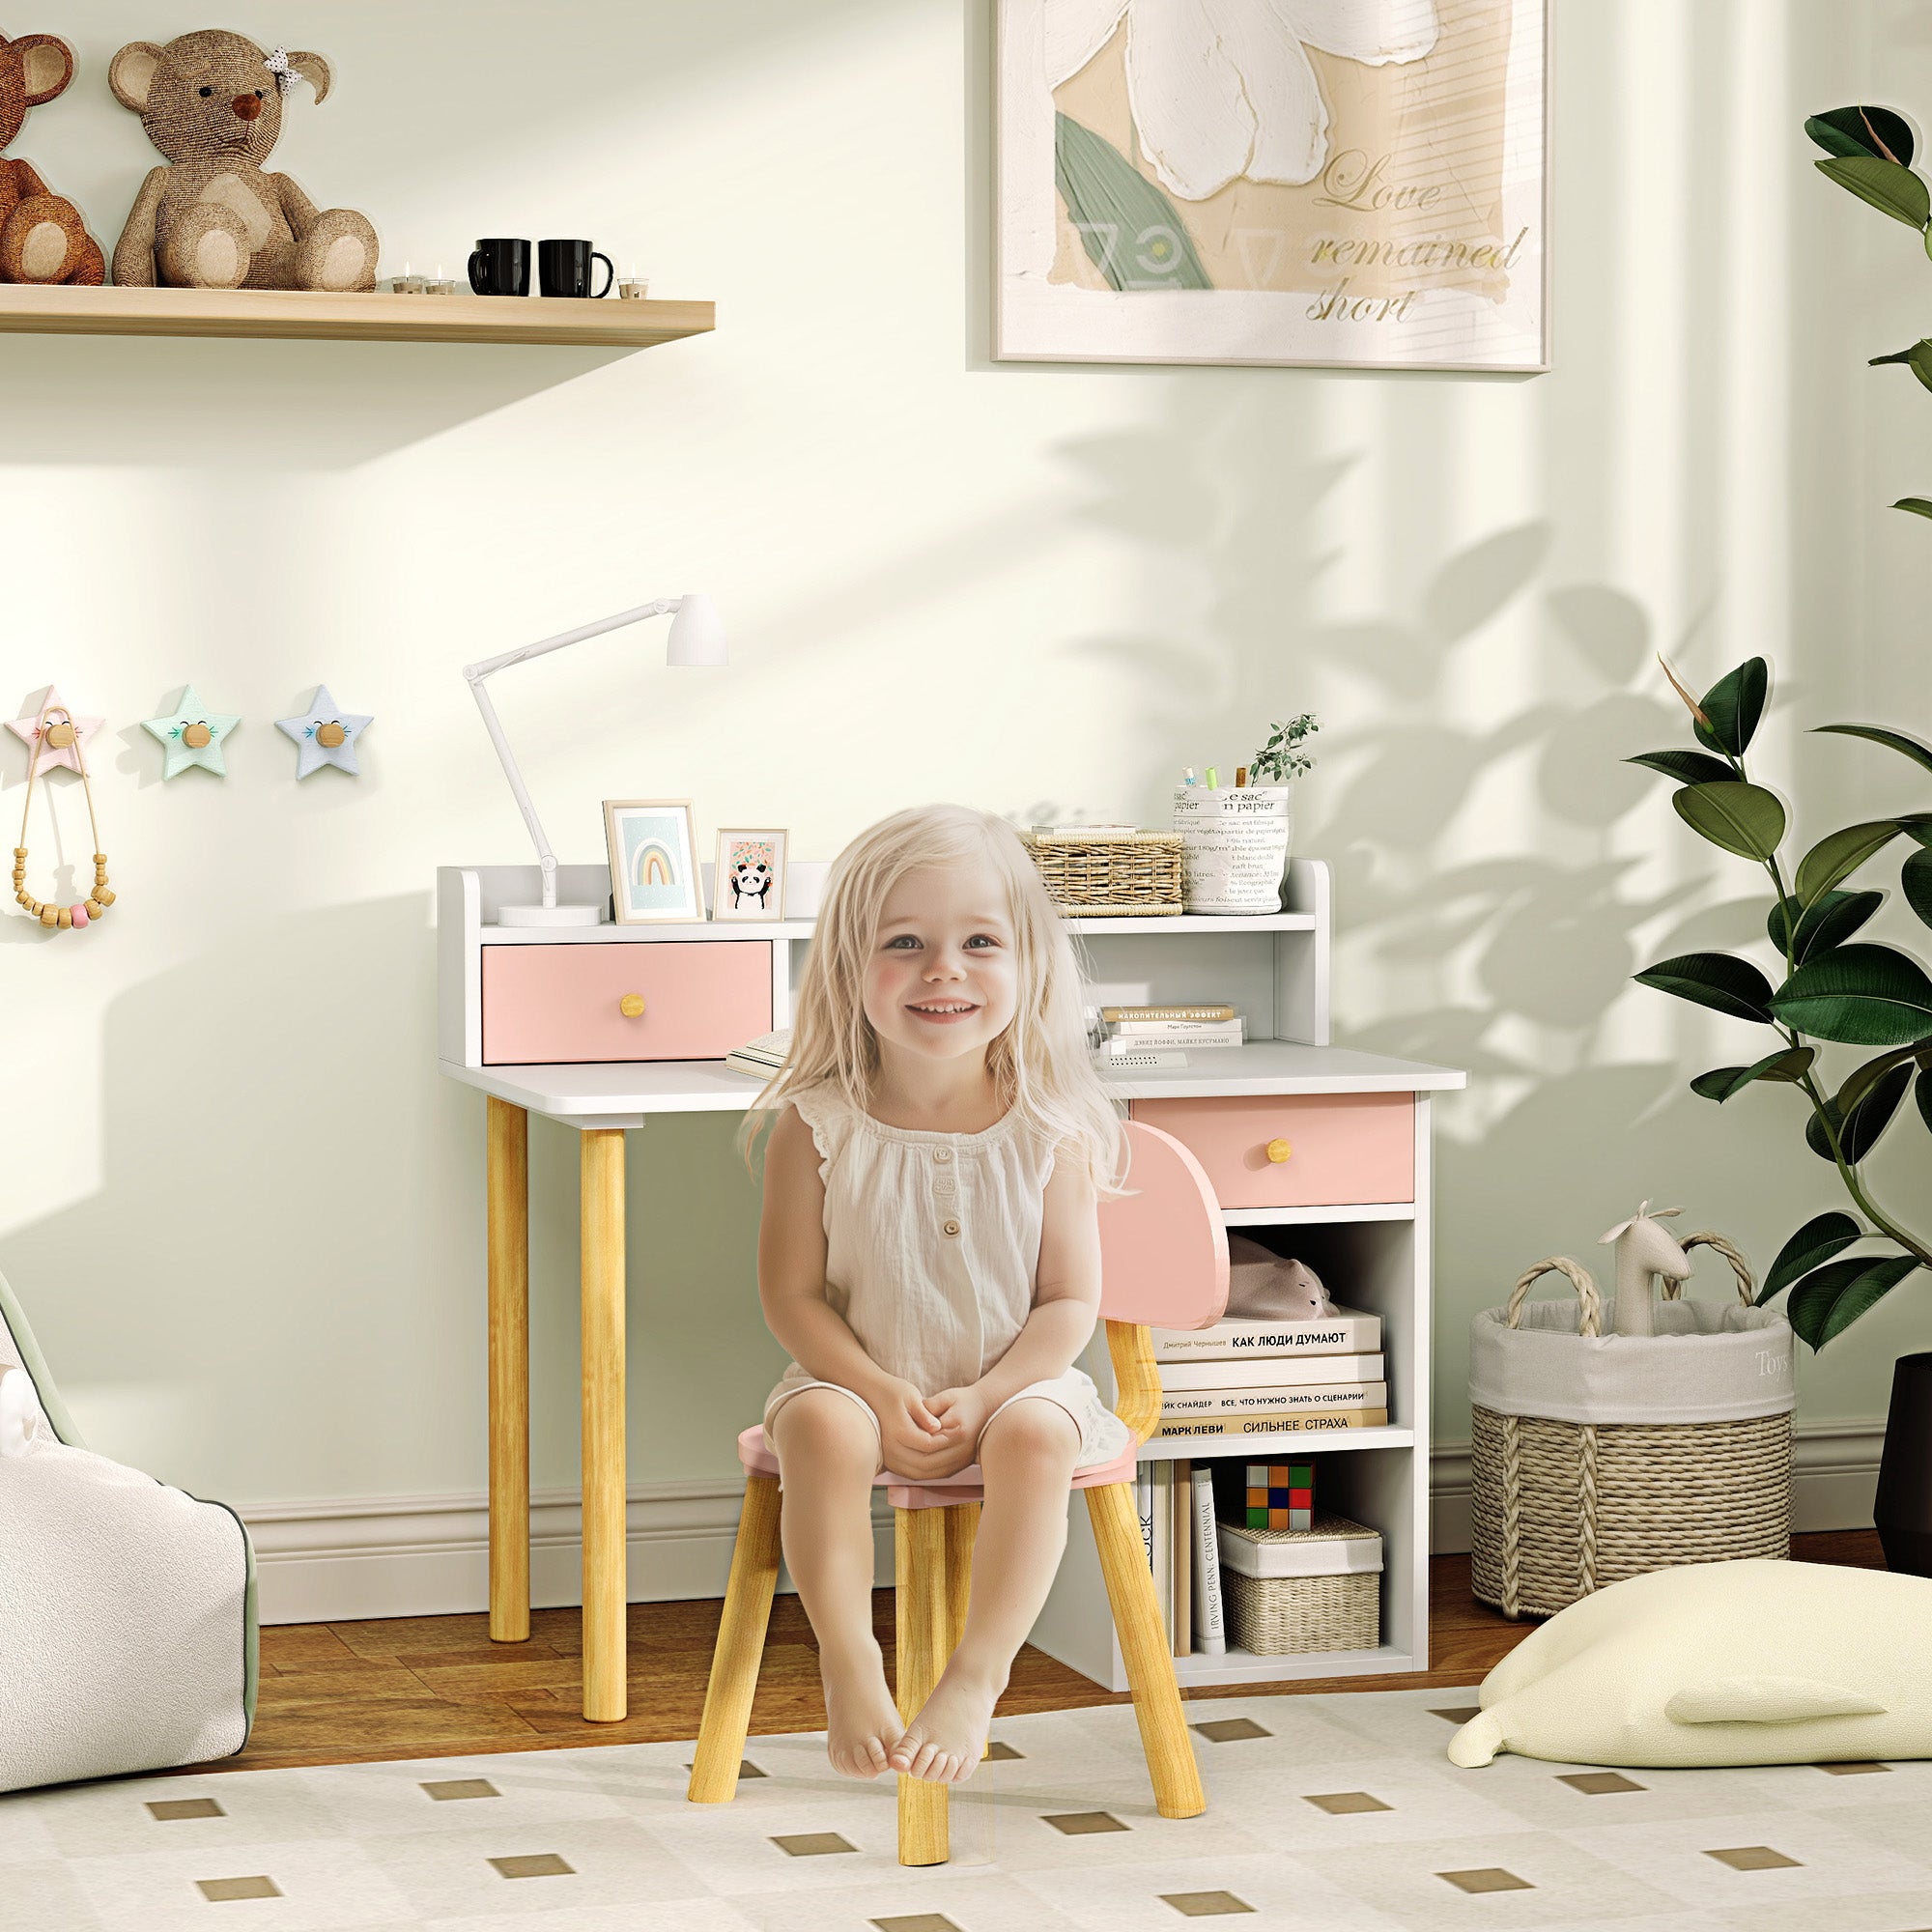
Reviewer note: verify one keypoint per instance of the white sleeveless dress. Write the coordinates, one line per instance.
(932, 1243)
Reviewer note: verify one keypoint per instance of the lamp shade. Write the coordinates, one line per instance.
(697, 633)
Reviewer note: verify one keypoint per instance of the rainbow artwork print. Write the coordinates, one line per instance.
(653, 864)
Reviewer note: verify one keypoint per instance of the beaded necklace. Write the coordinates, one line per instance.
(60, 736)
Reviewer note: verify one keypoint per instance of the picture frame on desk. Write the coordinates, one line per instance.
(748, 879)
(653, 855)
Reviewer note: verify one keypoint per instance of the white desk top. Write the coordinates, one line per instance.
(622, 1093)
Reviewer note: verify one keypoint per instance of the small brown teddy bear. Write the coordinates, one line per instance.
(212, 102)
(43, 238)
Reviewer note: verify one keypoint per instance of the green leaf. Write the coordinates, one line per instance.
(1713, 980)
(1862, 130)
(1891, 188)
(1917, 358)
(1863, 995)
(1734, 704)
(1898, 741)
(1687, 767)
(1815, 1136)
(1831, 1298)
(1129, 228)
(1789, 1065)
(1742, 818)
(1859, 1128)
(1916, 876)
(1830, 922)
(1919, 506)
(1811, 1246)
(1860, 1081)
(1839, 854)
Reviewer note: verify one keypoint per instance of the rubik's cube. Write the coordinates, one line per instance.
(1280, 1495)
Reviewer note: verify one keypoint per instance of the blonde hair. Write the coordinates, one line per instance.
(1039, 1063)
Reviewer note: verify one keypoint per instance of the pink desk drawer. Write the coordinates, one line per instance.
(1330, 1150)
(556, 1003)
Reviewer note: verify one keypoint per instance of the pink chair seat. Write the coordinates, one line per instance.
(967, 1486)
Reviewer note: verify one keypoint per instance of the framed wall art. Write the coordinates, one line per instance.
(1338, 183)
(653, 859)
(748, 879)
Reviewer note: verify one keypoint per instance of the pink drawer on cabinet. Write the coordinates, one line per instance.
(663, 999)
(1297, 1149)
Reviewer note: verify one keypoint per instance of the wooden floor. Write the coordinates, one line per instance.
(436, 1687)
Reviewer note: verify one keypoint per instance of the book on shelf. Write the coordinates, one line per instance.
(1333, 1545)
(1238, 1338)
(1210, 1631)
(1293, 1422)
(1116, 1044)
(1266, 1372)
(1109, 830)
(1317, 1399)
(762, 1057)
(1163, 1542)
(1180, 1618)
(1178, 1029)
(1207, 1012)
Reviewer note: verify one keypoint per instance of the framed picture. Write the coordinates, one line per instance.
(748, 880)
(1358, 183)
(653, 859)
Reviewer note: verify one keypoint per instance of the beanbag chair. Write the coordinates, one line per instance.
(126, 1608)
(1757, 1662)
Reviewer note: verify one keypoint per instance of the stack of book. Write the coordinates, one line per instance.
(760, 1058)
(1242, 1376)
(1164, 1036)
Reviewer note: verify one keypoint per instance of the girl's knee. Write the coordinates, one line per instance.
(1033, 1430)
(825, 1428)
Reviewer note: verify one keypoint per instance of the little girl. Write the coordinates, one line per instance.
(929, 1254)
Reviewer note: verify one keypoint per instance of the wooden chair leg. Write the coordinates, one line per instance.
(921, 1600)
(1144, 1647)
(741, 1646)
(962, 1526)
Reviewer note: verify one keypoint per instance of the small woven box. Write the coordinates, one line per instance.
(1113, 878)
(1283, 1616)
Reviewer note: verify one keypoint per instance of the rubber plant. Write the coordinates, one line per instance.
(1835, 989)
(1868, 153)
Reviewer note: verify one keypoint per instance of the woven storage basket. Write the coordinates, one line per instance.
(1561, 1507)
(1282, 1616)
(1115, 878)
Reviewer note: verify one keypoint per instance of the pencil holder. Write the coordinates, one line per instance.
(1234, 843)
(1121, 877)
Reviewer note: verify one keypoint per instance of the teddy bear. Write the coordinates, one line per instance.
(43, 238)
(214, 218)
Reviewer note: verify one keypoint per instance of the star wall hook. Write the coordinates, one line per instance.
(65, 739)
(192, 734)
(325, 735)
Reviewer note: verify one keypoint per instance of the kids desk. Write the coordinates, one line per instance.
(600, 1026)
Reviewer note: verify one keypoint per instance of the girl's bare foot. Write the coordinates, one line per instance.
(862, 1723)
(946, 1741)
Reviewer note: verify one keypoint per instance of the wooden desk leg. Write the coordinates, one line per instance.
(921, 1598)
(601, 1171)
(508, 1216)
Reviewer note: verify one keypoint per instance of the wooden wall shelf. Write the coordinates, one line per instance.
(610, 323)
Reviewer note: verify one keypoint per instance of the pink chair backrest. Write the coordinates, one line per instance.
(1163, 1250)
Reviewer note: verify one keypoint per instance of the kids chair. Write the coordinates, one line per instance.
(1164, 1263)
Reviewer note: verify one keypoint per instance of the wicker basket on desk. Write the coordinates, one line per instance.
(1114, 878)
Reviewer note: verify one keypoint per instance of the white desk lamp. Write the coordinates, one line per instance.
(697, 638)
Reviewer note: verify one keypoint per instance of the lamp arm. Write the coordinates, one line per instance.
(476, 674)
(546, 858)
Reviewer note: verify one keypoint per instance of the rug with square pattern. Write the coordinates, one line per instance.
(1333, 1812)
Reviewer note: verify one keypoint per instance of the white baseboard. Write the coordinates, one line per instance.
(1835, 1476)
(413, 1556)
(405, 1556)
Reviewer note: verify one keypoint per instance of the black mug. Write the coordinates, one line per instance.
(563, 269)
(500, 267)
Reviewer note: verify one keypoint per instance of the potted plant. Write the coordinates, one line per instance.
(1235, 840)
(1833, 989)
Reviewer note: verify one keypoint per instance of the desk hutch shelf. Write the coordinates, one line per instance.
(1364, 1227)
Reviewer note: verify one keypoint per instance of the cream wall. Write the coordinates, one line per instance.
(242, 1207)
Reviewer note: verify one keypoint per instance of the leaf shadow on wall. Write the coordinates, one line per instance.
(242, 407)
(1469, 798)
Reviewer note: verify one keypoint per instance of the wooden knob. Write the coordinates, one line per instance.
(331, 734)
(196, 736)
(60, 735)
(1278, 1151)
(632, 1005)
